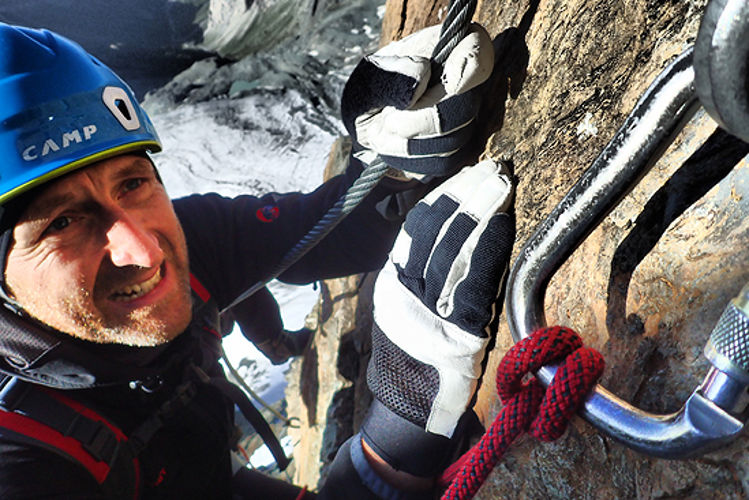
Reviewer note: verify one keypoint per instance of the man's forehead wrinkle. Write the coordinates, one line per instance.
(61, 191)
(119, 170)
(46, 203)
(138, 167)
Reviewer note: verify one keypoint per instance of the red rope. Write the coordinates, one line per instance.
(302, 494)
(527, 406)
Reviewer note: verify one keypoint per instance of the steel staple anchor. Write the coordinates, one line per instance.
(714, 412)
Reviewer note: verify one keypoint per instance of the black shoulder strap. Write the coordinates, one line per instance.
(255, 418)
(232, 391)
(47, 418)
(202, 305)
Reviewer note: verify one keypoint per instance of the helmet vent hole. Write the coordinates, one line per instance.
(122, 106)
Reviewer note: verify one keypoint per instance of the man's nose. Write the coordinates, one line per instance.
(130, 244)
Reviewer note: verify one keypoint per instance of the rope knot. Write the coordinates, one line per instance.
(528, 407)
(578, 370)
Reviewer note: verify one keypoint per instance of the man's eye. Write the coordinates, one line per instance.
(59, 223)
(131, 184)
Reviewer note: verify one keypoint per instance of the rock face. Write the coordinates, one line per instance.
(327, 390)
(234, 29)
(649, 283)
(328, 383)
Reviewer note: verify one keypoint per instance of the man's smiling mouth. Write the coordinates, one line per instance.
(132, 292)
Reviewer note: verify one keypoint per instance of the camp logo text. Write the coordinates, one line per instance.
(75, 136)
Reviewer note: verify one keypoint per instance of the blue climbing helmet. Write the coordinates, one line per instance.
(60, 109)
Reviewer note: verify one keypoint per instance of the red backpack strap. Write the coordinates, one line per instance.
(46, 418)
(197, 287)
(206, 311)
(233, 392)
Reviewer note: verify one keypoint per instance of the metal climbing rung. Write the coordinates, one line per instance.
(716, 411)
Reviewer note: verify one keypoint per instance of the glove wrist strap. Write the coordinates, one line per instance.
(404, 445)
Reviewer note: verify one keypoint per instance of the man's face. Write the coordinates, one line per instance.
(100, 255)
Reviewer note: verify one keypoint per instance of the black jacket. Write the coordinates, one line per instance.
(232, 243)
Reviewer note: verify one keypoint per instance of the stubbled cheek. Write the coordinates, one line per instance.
(51, 280)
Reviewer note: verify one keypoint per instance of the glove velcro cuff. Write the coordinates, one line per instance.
(404, 445)
(381, 488)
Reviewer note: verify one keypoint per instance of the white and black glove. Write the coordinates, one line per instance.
(389, 109)
(433, 303)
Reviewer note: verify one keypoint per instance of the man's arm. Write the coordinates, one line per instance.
(359, 472)
(234, 243)
(390, 110)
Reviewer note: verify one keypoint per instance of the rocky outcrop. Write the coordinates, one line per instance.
(235, 29)
(648, 285)
(327, 389)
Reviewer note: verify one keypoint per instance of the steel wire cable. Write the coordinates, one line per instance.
(454, 28)
(361, 187)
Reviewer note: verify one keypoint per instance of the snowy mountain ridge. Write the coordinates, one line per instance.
(234, 30)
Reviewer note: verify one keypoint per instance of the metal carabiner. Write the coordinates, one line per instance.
(721, 65)
(293, 423)
(713, 413)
